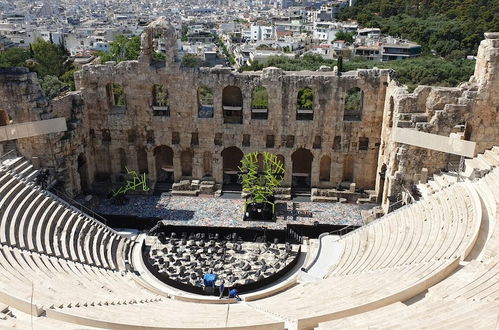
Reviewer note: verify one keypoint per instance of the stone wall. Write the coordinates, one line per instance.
(470, 111)
(104, 138)
(111, 126)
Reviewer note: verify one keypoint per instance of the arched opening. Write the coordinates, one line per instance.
(207, 164)
(123, 160)
(259, 103)
(205, 102)
(160, 101)
(164, 164)
(390, 112)
(348, 169)
(142, 160)
(281, 159)
(4, 118)
(83, 172)
(467, 131)
(305, 104)
(260, 161)
(186, 162)
(301, 170)
(116, 95)
(353, 105)
(102, 166)
(325, 169)
(232, 157)
(382, 176)
(232, 103)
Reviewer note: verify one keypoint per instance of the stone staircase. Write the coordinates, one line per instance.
(474, 169)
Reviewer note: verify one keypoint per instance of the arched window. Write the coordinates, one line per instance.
(205, 102)
(164, 163)
(348, 169)
(119, 99)
(186, 162)
(353, 105)
(232, 103)
(325, 169)
(142, 160)
(305, 104)
(4, 118)
(259, 103)
(160, 101)
(123, 160)
(207, 167)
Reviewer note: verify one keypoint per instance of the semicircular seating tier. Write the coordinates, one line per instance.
(438, 254)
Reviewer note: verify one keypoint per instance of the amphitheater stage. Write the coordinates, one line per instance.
(213, 211)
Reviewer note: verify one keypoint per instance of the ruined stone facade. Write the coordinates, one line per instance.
(184, 138)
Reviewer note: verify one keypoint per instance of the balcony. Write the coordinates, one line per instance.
(259, 113)
(304, 114)
(205, 111)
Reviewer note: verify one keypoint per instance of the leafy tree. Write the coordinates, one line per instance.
(14, 57)
(260, 98)
(305, 98)
(158, 56)
(49, 58)
(343, 35)
(190, 61)
(52, 85)
(123, 48)
(353, 99)
(185, 31)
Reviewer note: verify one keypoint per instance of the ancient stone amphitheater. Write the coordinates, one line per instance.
(430, 264)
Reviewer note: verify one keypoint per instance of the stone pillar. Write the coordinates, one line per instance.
(177, 165)
(314, 179)
(132, 162)
(197, 165)
(288, 165)
(151, 162)
(217, 163)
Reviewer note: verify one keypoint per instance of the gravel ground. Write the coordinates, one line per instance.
(209, 211)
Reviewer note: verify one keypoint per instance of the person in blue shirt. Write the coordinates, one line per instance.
(234, 294)
(221, 289)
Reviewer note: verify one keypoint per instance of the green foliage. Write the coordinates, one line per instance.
(228, 55)
(190, 61)
(52, 85)
(123, 48)
(260, 98)
(185, 31)
(160, 96)
(49, 59)
(423, 70)
(158, 56)
(119, 95)
(205, 95)
(343, 35)
(305, 99)
(353, 99)
(261, 174)
(14, 57)
(440, 25)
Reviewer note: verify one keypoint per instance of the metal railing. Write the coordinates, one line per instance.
(66, 198)
(2, 157)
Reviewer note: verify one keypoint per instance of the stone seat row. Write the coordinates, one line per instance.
(443, 226)
(343, 295)
(467, 299)
(34, 219)
(93, 296)
(52, 282)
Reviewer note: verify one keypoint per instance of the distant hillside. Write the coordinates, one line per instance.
(451, 28)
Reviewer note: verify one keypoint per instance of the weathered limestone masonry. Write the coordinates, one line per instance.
(174, 141)
(118, 131)
(471, 111)
(22, 100)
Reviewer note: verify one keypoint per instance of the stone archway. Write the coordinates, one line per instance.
(232, 102)
(163, 156)
(348, 169)
(186, 162)
(82, 166)
(232, 157)
(302, 170)
(325, 169)
(207, 164)
(142, 163)
(4, 118)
